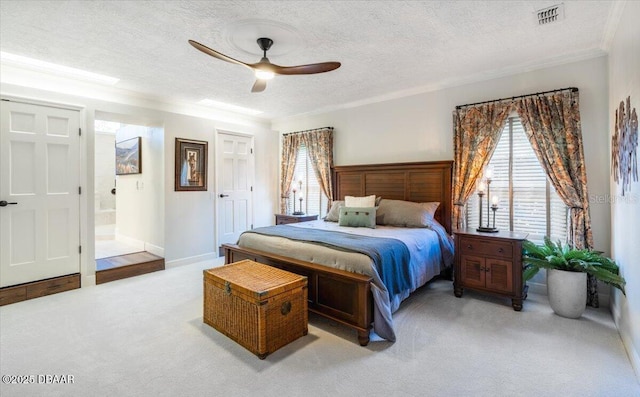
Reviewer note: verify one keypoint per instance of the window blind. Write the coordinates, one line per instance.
(528, 202)
(314, 200)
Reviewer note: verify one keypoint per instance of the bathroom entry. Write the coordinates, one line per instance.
(105, 187)
(129, 206)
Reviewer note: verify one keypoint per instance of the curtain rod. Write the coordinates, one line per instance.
(573, 89)
(313, 129)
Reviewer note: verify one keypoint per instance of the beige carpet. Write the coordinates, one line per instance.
(144, 336)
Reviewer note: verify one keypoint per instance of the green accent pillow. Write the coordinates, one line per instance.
(334, 213)
(358, 217)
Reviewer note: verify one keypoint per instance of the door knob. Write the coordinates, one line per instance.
(4, 203)
(223, 195)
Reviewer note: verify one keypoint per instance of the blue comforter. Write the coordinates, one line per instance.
(390, 256)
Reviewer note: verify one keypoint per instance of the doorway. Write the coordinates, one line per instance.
(105, 191)
(234, 176)
(129, 188)
(39, 196)
(106, 244)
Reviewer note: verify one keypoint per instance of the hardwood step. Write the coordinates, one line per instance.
(125, 266)
(36, 289)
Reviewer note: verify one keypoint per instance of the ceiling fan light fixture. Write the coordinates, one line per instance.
(264, 74)
(265, 70)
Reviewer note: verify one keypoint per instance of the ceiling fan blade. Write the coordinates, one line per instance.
(304, 69)
(216, 54)
(265, 69)
(259, 85)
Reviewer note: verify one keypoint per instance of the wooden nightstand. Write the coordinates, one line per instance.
(283, 219)
(490, 263)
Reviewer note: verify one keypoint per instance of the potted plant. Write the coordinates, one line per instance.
(567, 270)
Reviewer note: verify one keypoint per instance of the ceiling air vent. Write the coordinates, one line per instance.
(550, 14)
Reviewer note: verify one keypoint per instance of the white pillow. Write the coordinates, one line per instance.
(367, 201)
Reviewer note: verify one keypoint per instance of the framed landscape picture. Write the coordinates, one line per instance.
(191, 165)
(128, 160)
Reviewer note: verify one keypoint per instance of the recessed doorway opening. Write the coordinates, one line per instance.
(129, 193)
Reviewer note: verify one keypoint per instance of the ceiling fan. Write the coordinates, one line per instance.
(265, 70)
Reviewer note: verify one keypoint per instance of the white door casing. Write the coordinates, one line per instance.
(235, 175)
(39, 171)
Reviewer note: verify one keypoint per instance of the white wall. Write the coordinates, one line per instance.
(624, 81)
(267, 164)
(189, 216)
(140, 197)
(420, 127)
(189, 223)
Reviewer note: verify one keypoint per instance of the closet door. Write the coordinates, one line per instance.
(235, 173)
(39, 192)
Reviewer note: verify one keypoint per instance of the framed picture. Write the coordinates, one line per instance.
(128, 160)
(191, 165)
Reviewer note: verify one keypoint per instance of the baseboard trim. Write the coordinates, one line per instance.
(154, 249)
(141, 245)
(138, 244)
(36, 289)
(89, 281)
(632, 352)
(191, 259)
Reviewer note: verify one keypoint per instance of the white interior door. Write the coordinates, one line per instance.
(39, 197)
(234, 165)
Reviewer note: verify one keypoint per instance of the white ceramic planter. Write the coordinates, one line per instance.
(567, 292)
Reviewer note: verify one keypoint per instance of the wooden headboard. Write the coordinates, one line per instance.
(418, 182)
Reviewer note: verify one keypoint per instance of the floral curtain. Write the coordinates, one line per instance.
(319, 144)
(552, 124)
(290, 145)
(476, 133)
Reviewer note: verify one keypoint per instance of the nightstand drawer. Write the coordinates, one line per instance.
(283, 219)
(473, 246)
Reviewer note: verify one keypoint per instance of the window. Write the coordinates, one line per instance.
(528, 202)
(314, 200)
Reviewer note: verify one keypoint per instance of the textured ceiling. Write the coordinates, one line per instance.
(385, 47)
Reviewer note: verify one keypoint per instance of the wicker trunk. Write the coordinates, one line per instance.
(260, 307)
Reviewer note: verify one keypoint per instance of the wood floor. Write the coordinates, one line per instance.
(129, 265)
(107, 269)
(36, 289)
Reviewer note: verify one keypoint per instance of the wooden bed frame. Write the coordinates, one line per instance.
(340, 295)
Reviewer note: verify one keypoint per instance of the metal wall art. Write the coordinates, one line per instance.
(624, 144)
